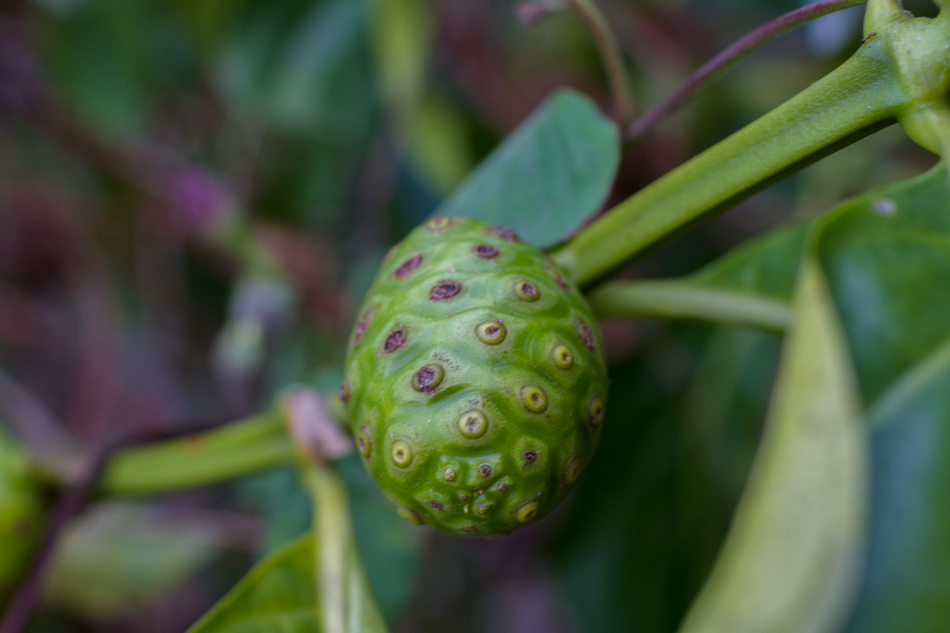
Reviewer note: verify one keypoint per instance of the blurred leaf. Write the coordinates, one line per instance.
(888, 257)
(101, 58)
(791, 559)
(118, 558)
(278, 595)
(908, 578)
(438, 145)
(548, 176)
(401, 34)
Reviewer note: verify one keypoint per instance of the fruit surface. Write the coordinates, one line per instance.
(475, 381)
(21, 516)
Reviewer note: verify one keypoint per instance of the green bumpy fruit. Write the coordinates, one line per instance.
(475, 380)
(21, 516)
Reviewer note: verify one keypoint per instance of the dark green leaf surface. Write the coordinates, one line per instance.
(278, 596)
(548, 177)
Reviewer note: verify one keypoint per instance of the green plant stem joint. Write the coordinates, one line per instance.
(919, 52)
(476, 372)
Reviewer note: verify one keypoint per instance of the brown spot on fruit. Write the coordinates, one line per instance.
(364, 443)
(438, 223)
(362, 324)
(445, 290)
(484, 470)
(530, 457)
(345, 391)
(587, 336)
(527, 291)
(563, 357)
(395, 340)
(435, 504)
(407, 267)
(503, 233)
(491, 332)
(596, 413)
(534, 399)
(473, 424)
(485, 251)
(428, 378)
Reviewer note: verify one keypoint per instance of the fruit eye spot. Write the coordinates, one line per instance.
(559, 279)
(484, 470)
(530, 456)
(528, 512)
(563, 358)
(572, 472)
(428, 378)
(435, 504)
(534, 399)
(405, 269)
(449, 474)
(361, 326)
(485, 251)
(503, 233)
(473, 425)
(445, 290)
(587, 337)
(409, 515)
(345, 391)
(527, 291)
(438, 223)
(395, 340)
(401, 453)
(484, 508)
(364, 443)
(491, 332)
(596, 413)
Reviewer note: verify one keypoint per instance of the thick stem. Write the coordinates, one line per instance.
(610, 53)
(683, 300)
(211, 457)
(859, 94)
(724, 60)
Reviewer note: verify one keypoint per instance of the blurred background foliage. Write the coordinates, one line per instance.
(194, 196)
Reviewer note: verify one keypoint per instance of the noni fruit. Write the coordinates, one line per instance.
(21, 516)
(475, 379)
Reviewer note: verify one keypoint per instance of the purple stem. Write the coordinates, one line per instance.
(720, 62)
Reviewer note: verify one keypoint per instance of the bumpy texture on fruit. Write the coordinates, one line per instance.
(475, 380)
(21, 516)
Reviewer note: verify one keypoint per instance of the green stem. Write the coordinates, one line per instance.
(610, 54)
(237, 449)
(683, 300)
(859, 94)
(344, 595)
(333, 539)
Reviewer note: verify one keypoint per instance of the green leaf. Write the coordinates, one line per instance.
(791, 559)
(908, 576)
(278, 595)
(119, 557)
(548, 177)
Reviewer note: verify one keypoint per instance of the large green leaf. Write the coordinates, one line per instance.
(278, 596)
(549, 176)
(886, 255)
(790, 561)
